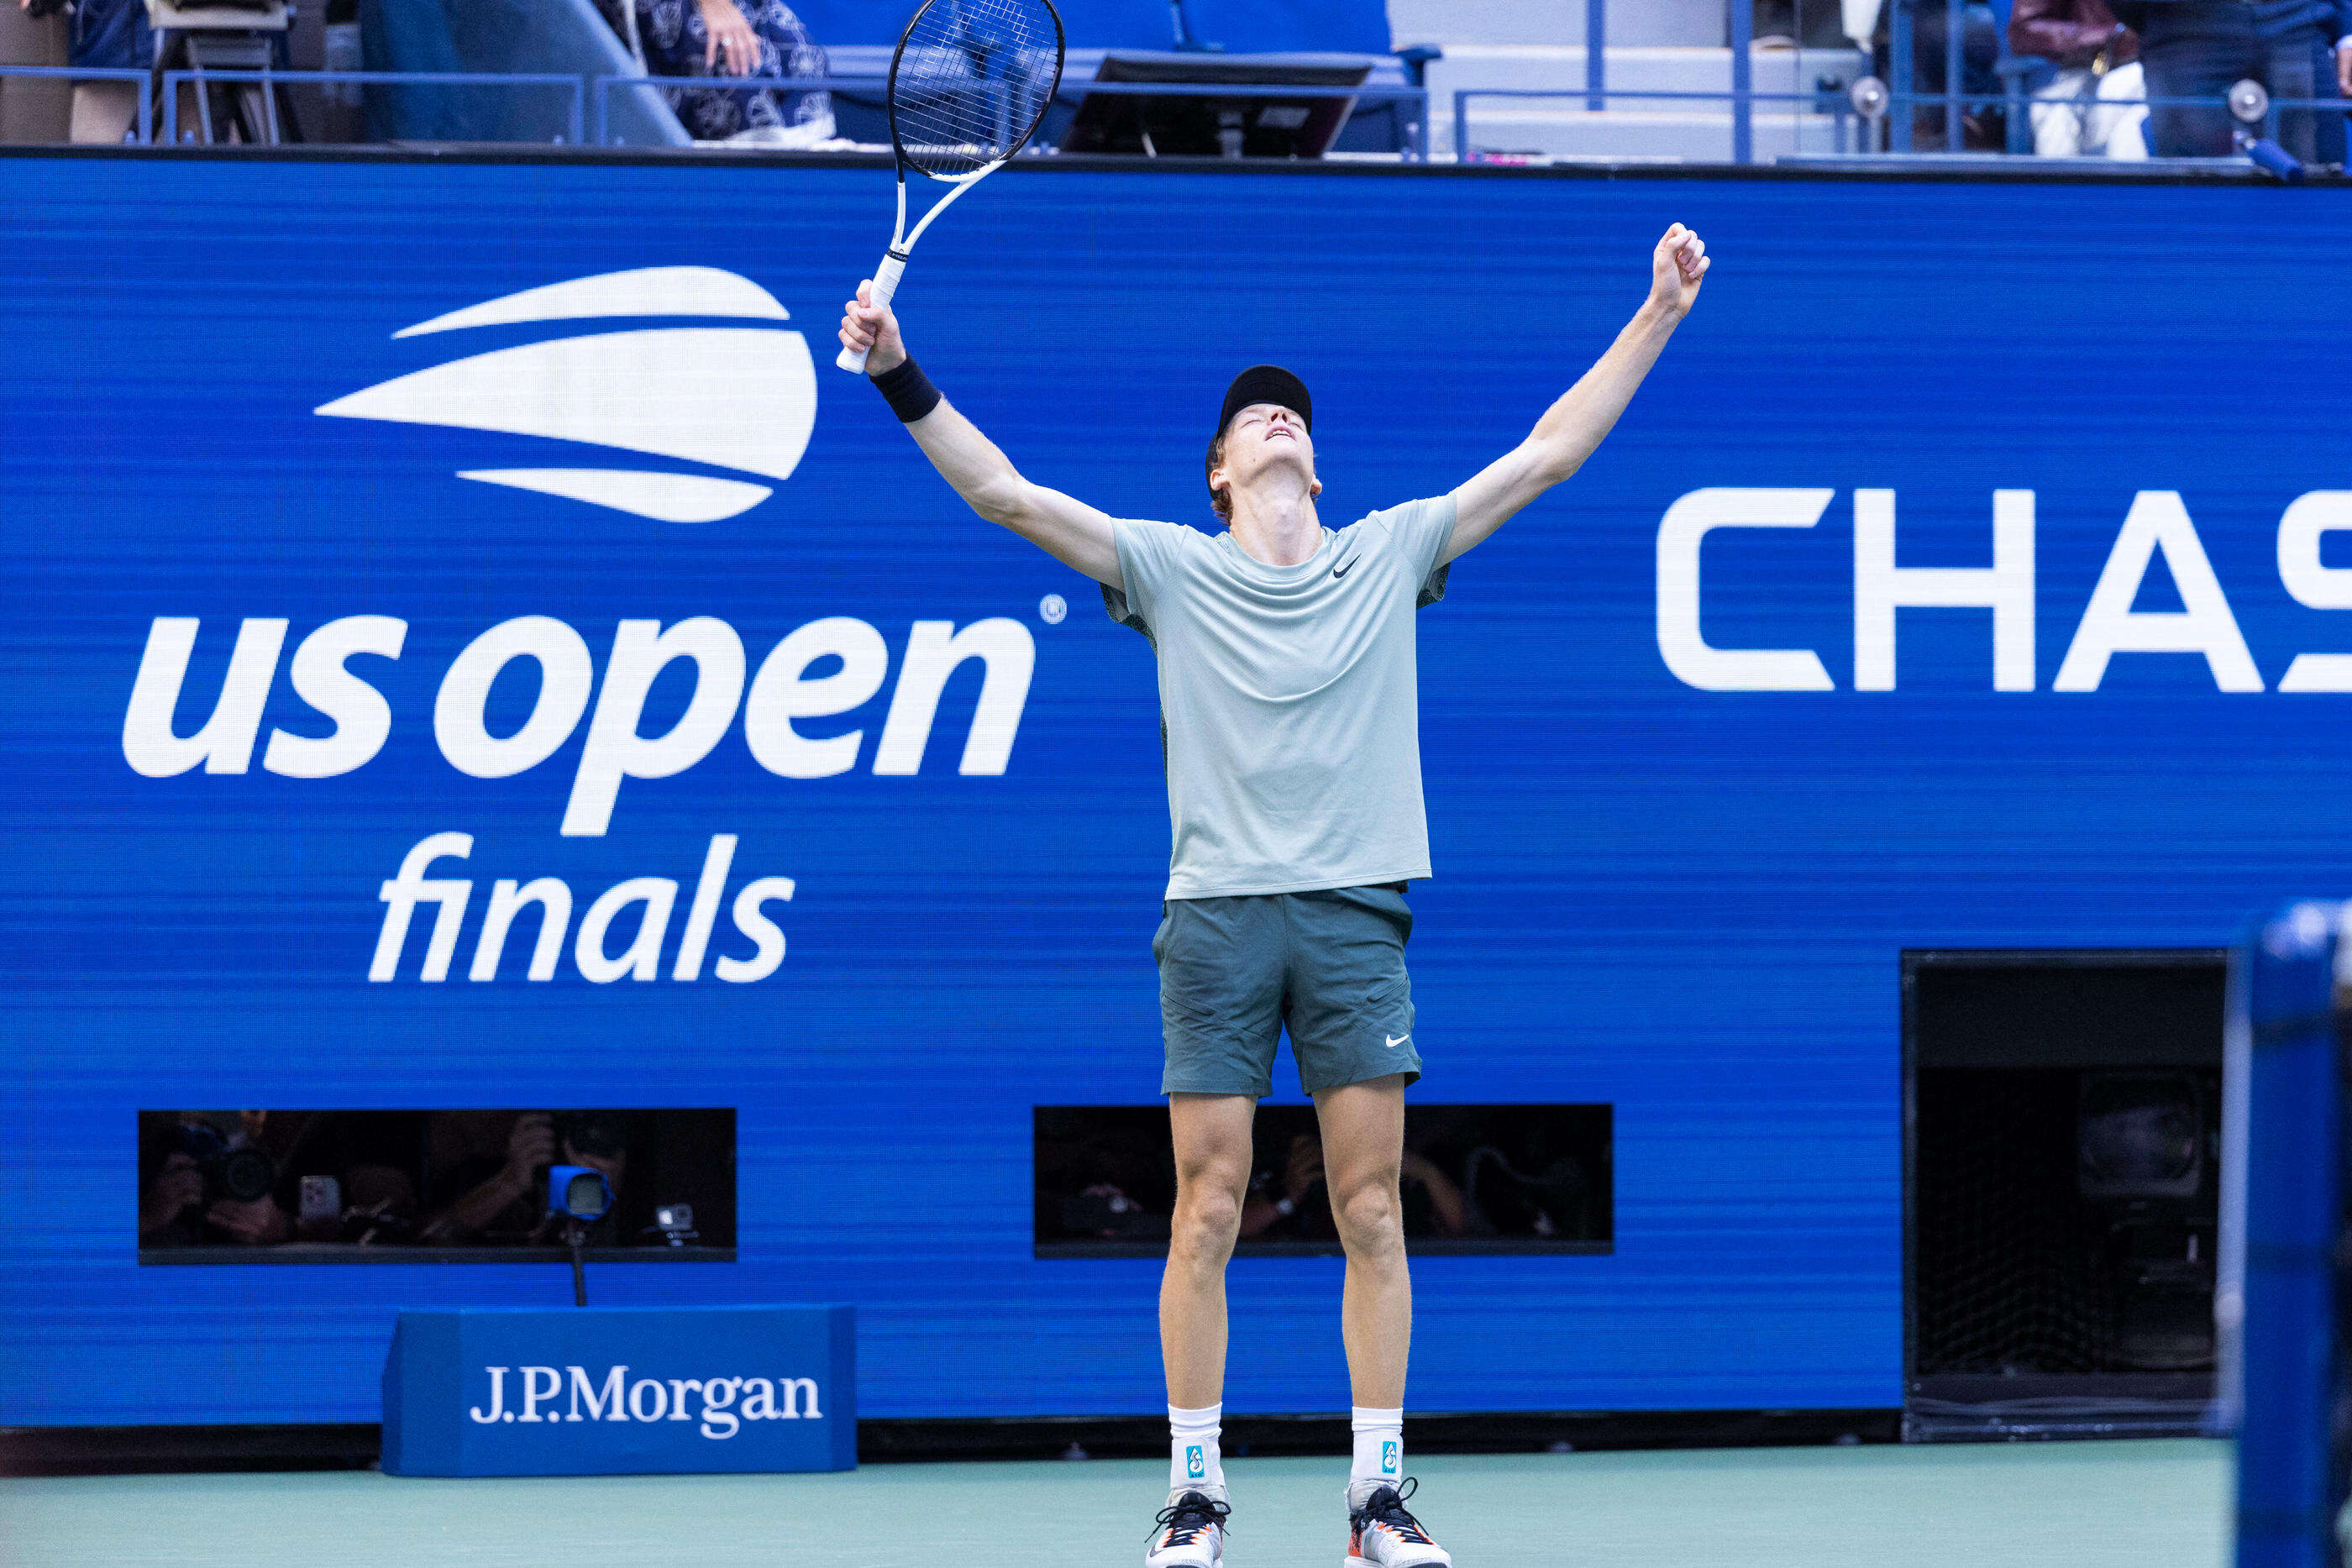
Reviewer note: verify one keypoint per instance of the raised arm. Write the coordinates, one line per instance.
(1069, 530)
(1569, 430)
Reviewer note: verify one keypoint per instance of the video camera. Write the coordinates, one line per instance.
(244, 1172)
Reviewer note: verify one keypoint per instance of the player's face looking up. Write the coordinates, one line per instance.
(1263, 439)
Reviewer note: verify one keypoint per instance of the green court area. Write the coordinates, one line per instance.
(2046, 1505)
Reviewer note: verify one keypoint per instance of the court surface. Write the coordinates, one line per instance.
(2041, 1505)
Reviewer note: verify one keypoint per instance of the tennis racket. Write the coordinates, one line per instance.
(970, 84)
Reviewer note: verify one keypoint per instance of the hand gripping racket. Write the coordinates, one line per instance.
(969, 86)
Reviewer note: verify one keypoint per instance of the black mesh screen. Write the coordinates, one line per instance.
(2007, 1261)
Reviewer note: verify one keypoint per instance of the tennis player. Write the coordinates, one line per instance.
(1288, 700)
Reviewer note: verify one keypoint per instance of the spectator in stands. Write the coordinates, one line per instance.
(2199, 48)
(1984, 124)
(114, 35)
(110, 35)
(720, 37)
(2092, 107)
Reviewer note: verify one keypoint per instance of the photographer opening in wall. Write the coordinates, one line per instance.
(263, 1178)
(427, 1185)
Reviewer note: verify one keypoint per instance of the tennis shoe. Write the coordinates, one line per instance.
(1381, 1534)
(1190, 1532)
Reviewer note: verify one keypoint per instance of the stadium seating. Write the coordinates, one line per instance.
(1664, 46)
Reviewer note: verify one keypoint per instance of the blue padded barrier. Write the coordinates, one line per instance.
(2284, 1214)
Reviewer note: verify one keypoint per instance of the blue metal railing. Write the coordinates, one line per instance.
(1741, 14)
(93, 73)
(1965, 101)
(1596, 61)
(1739, 22)
(1904, 99)
(1841, 113)
(583, 90)
(174, 79)
(1835, 105)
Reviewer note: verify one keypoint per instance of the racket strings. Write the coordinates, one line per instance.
(973, 79)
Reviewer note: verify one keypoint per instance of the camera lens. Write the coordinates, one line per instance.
(584, 1196)
(246, 1174)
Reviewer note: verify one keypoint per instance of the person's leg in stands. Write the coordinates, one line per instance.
(2328, 130)
(2196, 48)
(2289, 72)
(2059, 111)
(103, 112)
(2119, 126)
(111, 35)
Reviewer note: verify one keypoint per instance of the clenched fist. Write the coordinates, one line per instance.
(872, 330)
(1676, 267)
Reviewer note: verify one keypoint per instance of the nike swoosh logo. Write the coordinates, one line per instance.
(1397, 1041)
(1341, 569)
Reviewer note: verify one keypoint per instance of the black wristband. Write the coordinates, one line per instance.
(908, 390)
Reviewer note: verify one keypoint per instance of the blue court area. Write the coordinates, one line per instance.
(2156, 1504)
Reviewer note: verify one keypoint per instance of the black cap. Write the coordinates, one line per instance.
(1267, 384)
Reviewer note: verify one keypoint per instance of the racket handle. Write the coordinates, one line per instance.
(885, 284)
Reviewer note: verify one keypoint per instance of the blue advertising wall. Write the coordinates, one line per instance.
(1684, 901)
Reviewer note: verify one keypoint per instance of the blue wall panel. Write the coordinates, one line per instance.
(1688, 903)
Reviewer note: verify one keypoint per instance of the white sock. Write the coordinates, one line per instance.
(1379, 1451)
(1193, 1463)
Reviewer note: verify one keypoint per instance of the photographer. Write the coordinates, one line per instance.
(1301, 1208)
(202, 1184)
(504, 1194)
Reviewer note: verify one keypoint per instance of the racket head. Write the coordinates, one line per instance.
(970, 82)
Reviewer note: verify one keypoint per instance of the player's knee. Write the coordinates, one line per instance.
(1370, 1219)
(1208, 1217)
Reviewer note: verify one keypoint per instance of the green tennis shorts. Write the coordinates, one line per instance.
(1329, 966)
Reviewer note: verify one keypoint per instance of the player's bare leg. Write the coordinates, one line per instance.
(1213, 1167)
(1363, 1145)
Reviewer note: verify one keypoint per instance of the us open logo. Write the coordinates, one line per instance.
(740, 397)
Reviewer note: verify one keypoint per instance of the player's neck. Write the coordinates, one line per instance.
(1276, 524)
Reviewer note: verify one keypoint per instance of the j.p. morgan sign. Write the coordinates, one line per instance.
(615, 1391)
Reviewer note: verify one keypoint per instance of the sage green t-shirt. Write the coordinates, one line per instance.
(1288, 700)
